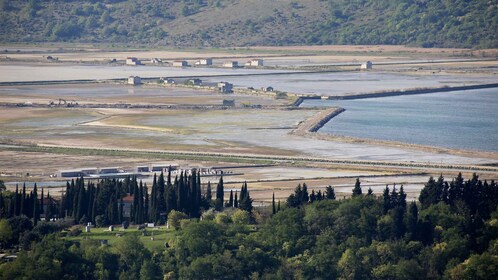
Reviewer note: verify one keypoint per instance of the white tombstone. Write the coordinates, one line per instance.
(87, 228)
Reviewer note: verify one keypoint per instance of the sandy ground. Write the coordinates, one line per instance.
(125, 94)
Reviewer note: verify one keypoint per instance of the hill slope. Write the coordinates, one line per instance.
(442, 23)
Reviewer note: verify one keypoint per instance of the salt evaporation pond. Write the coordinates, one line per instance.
(459, 119)
(343, 83)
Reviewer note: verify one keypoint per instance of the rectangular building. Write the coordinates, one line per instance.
(180, 63)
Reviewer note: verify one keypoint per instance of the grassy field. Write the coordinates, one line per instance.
(161, 235)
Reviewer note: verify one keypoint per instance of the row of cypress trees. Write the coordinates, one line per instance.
(28, 204)
(103, 202)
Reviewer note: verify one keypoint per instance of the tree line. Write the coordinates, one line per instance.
(366, 236)
(102, 202)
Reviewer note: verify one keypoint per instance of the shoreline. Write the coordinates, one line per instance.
(403, 145)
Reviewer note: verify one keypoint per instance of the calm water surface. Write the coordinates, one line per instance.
(460, 119)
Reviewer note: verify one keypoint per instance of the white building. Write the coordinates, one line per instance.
(134, 80)
(231, 64)
(225, 87)
(366, 66)
(180, 63)
(133, 61)
(205, 61)
(254, 63)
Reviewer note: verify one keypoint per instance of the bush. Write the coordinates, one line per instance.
(74, 231)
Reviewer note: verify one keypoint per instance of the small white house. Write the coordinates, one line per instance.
(133, 61)
(267, 89)
(205, 61)
(168, 81)
(254, 63)
(180, 63)
(231, 64)
(194, 82)
(366, 65)
(134, 80)
(225, 87)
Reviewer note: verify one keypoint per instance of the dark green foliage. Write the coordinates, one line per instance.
(329, 192)
(299, 197)
(366, 237)
(220, 195)
(437, 23)
(357, 188)
(245, 200)
(273, 206)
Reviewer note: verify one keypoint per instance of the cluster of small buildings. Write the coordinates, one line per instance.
(140, 170)
(257, 62)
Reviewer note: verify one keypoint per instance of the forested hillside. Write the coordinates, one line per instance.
(208, 23)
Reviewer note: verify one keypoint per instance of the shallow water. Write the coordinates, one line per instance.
(342, 83)
(459, 119)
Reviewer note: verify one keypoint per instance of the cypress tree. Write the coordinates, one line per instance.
(245, 202)
(153, 195)
(387, 200)
(236, 200)
(146, 204)
(412, 221)
(16, 201)
(230, 201)
(41, 203)
(209, 195)
(402, 198)
(357, 188)
(80, 210)
(278, 206)
(273, 206)
(23, 200)
(312, 196)
(219, 195)
(36, 206)
(3, 211)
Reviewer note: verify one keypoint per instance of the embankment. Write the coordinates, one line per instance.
(314, 123)
(410, 92)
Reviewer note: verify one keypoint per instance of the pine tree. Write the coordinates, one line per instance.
(370, 191)
(330, 193)
(357, 188)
